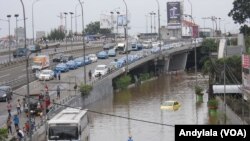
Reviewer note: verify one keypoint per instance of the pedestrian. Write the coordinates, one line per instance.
(99, 75)
(20, 134)
(27, 127)
(9, 107)
(18, 106)
(90, 75)
(58, 91)
(55, 74)
(24, 101)
(16, 121)
(59, 75)
(130, 138)
(8, 123)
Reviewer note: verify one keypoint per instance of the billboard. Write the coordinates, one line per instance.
(174, 12)
(121, 20)
(105, 21)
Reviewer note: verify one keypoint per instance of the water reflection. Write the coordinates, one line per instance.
(143, 103)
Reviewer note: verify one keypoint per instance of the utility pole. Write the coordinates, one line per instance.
(8, 16)
(65, 28)
(71, 33)
(16, 15)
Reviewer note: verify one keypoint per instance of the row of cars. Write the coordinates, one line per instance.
(65, 66)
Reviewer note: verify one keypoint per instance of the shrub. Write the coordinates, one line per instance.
(145, 76)
(198, 90)
(85, 89)
(213, 103)
(3, 133)
(123, 82)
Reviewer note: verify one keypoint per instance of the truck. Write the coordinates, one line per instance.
(40, 62)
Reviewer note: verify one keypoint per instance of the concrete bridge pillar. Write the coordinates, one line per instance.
(178, 62)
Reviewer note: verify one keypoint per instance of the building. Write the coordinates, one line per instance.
(40, 35)
(20, 34)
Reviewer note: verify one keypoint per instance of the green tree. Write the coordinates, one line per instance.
(56, 34)
(94, 28)
(241, 11)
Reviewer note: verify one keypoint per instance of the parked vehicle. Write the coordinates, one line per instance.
(100, 70)
(46, 74)
(136, 46)
(57, 57)
(40, 62)
(108, 46)
(102, 55)
(147, 44)
(79, 62)
(5, 93)
(62, 67)
(37, 103)
(71, 64)
(21, 52)
(112, 53)
(66, 57)
(93, 57)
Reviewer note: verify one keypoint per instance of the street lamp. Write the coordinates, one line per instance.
(33, 34)
(27, 70)
(151, 13)
(16, 15)
(126, 38)
(71, 33)
(8, 16)
(65, 27)
(76, 16)
(83, 43)
(112, 21)
(118, 13)
(159, 25)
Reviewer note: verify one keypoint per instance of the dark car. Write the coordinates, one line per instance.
(37, 103)
(34, 48)
(20, 52)
(66, 57)
(5, 93)
(57, 57)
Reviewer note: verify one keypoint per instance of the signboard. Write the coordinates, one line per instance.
(105, 21)
(173, 12)
(121, 20)
(195, 31)
(186, 31)
(245, 61)
(245, 72)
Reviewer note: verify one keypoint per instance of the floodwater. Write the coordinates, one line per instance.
(142, 106)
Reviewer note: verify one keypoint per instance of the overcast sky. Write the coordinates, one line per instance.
(46, 13)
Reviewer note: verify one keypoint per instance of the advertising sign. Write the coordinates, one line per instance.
(173, 12)
(121, 20)
(105, 21)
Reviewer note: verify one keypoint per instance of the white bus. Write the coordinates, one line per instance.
(70, 124)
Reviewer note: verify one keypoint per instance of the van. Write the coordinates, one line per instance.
(5, 93)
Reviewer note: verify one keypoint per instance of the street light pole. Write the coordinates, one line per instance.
(126, 38)
(159, 24)
(16, 15)
(27, 70)
(151, 26)
(71, 14)
(33, 34)
(117, 12)
(65, 28)
(8, 16)
(83, 41)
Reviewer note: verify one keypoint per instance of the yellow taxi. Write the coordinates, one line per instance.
(170, 105)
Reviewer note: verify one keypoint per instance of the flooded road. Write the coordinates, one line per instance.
(142, 106)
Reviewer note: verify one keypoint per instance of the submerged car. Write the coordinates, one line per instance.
(170, 105)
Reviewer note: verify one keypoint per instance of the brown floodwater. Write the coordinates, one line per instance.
(143, 103)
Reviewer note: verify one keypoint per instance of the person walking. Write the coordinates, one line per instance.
(58, 92)
(90, 75)
(9, 123)
(18, 106)
(16, 121)
(9, 107)
(59, 75)
(20, 134)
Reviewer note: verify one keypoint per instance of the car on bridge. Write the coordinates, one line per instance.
(93, 57)
(62, 67)
(71, 65)
(100, 70)
(45, 74)
(112, 53)
(102, 55)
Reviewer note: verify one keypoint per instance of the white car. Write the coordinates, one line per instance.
(45, 75)
(100, 70)
(93, 57)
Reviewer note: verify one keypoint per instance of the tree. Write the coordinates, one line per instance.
(94, 28)
(241, 11)
(56, 34)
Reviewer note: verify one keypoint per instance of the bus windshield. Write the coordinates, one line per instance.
(63, 132)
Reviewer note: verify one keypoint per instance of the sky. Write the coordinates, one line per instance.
(46, 13)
